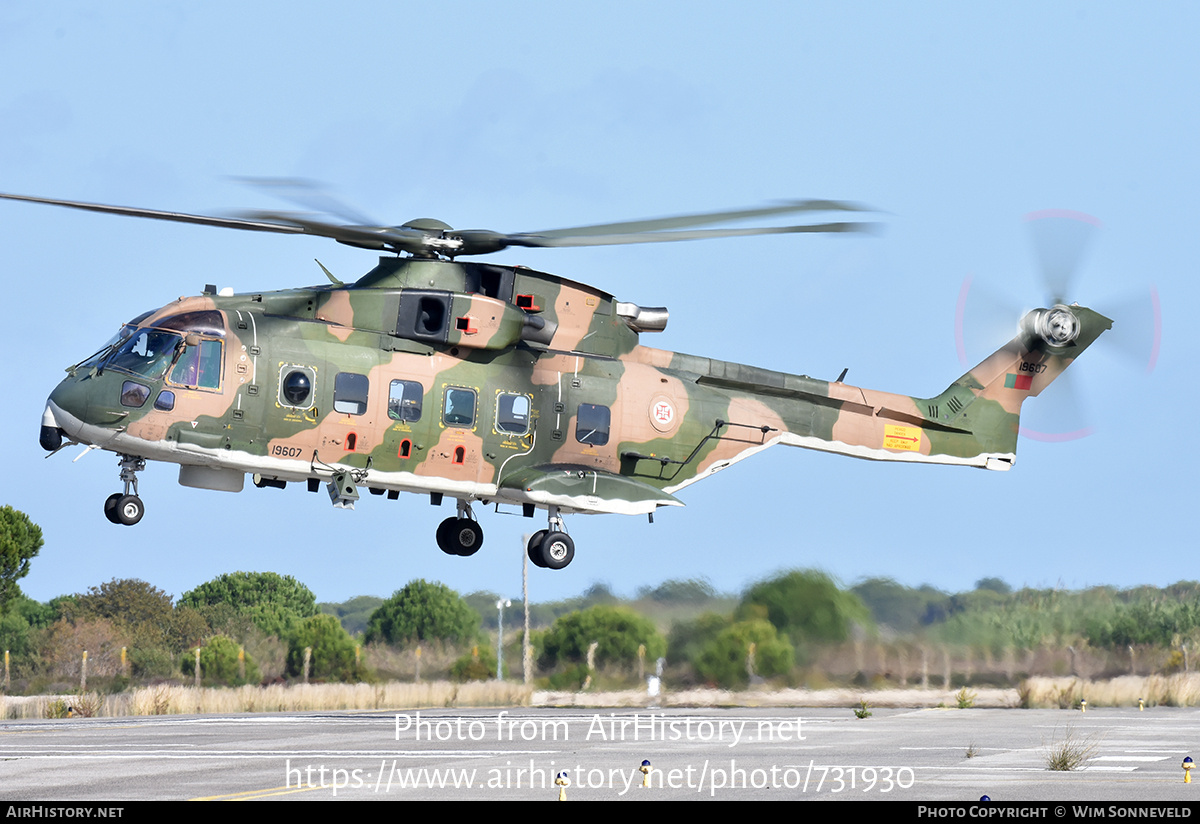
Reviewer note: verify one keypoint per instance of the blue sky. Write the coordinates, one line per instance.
(953, 119)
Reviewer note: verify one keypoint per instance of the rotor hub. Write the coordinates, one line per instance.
(1057, 327)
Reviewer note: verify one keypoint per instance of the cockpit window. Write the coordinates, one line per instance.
(207, 322)
(122, 333)
(147, 352)
(199, 366)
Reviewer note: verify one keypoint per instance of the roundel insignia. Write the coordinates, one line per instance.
(662, 414)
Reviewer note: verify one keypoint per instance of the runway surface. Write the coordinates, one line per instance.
(516, 753)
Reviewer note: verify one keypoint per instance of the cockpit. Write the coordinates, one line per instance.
(189, 345)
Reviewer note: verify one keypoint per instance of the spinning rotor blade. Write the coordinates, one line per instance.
(1059, 416)
(432, 238)
(177, 217)
(669, 237)
(688, 221)
(984, 321)
(310, 194)
(1060, 241)
(1137, 332)
(389, 238)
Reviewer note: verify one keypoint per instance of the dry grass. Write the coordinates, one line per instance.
(1182, 690)
(706, 697)
(178, 700)
(1173, 690)
(1070, 751)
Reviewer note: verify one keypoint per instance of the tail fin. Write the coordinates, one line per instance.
(987, 400)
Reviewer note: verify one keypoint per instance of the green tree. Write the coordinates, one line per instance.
(423, 611)
(688, 638)
(723, 660)
(333, 650)
(354, 613)
(806, 605)
(273, 602)
(617, 631)
(680, 591)
(902, 608)
(141, 611)
(994, 584)
(20, 541)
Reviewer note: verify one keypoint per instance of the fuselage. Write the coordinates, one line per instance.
(491, 383)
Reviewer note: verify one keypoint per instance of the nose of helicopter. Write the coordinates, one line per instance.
(66, 410)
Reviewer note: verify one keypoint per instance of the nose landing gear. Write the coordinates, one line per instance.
(126, 508)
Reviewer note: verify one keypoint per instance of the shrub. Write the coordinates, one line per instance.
(477, 665)
(724, 659)
(617, 631)
(807, 605)
(333, 650)
(219, 663)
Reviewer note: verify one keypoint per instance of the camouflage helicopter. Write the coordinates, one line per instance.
(496, 384)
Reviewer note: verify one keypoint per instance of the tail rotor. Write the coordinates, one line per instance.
(1061, 240)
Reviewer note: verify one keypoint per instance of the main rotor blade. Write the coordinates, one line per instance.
(687, 221)
(442, 240)
(177, 217)
(670, 237)
(394, 238)
(309, 194)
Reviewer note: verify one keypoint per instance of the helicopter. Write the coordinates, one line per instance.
(497, 384)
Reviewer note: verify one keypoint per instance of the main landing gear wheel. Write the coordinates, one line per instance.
(557, 550)
(459, 536)
(110, 507)
(534, 548)
(126, 510)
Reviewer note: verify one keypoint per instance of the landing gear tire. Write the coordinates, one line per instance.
(557, 550)
(459, 536)
(534, 547)
(128, 510)
(110, 507)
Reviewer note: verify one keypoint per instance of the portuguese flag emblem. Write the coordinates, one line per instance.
(1012, 381)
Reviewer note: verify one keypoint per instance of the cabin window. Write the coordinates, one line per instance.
(459, 407)
(350, 393)
(296, 386)
(592, 424)
(404, 401)
(199, 366)
(512, 413)
(165, 401)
